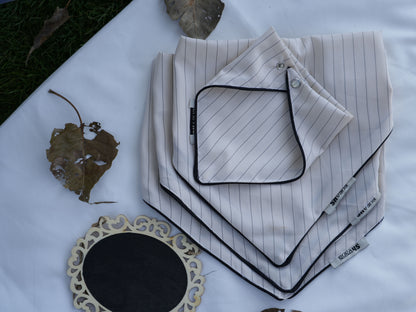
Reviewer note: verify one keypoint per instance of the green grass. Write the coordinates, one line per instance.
(20, 22)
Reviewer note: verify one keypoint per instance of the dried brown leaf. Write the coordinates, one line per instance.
(59, 17)
(79, 162)
(197, 18)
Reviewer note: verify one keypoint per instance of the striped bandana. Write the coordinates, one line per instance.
(269, 152)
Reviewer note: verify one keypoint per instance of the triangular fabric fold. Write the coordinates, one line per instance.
(261, 134)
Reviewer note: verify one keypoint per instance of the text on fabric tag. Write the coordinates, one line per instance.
(350, 252)
(366, 209)
(192, 124)
(335, 201)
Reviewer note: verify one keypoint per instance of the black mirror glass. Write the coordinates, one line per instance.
(130, 272)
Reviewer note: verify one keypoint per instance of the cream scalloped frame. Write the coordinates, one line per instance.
(159, 230)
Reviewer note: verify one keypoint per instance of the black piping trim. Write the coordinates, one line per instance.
(328, 266)
(301, 279)
(368, 159)
(194, 120)
(209, 252)
(285, 262)
(292, 253)
(290, 256)
(245, 261)
(243, 277)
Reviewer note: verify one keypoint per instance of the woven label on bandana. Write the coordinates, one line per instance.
(349, 253)
(192, 122)
(366, 209)
(335, 201)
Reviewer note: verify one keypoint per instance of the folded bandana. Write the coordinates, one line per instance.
(269, 152)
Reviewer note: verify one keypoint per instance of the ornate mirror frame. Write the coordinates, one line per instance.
(159, 230)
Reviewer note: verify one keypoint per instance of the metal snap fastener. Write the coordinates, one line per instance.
(295, 83)
(280, 65)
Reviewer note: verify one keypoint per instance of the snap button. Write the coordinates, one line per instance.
(295, 83)
(280, 65)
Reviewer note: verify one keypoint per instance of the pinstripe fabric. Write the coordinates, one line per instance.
(250, 227)
(358, 146)
(266, 132)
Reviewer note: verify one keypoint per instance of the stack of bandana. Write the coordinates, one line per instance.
(268, 153)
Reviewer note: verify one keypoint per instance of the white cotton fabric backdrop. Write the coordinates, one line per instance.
(108, 79)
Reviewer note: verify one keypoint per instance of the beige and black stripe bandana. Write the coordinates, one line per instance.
(269, 152)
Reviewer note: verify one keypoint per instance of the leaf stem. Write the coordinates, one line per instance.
(73, 106)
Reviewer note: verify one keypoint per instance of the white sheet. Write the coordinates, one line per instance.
(108, 80)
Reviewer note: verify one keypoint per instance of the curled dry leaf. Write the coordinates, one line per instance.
(197, 18)
(79, 162)
(59, 17)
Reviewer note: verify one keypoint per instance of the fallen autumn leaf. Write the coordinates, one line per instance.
(79, 162)
(197, 18)
(59, 17)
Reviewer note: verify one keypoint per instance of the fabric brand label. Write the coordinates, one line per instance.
(192, 123)
(350, 252)
(192, 127)
(366, 209)
(335, 201)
